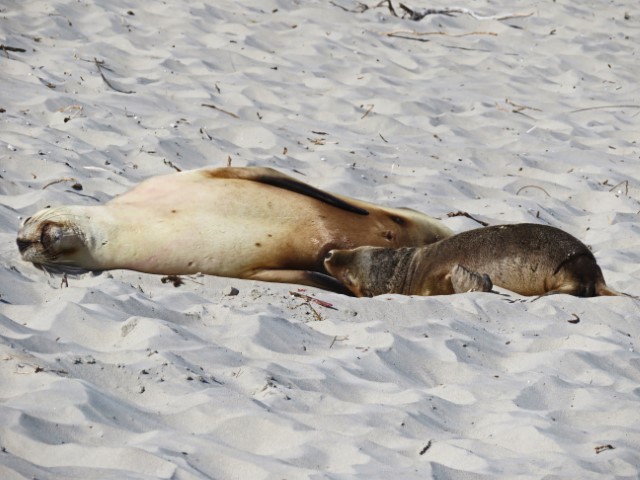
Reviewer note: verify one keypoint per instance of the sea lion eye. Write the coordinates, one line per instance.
(328, 255)
(398, 220)
(49, 236)
(44, 236)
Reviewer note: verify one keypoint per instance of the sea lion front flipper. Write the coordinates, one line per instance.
(274, 178)
(302, 277)
(465, 280)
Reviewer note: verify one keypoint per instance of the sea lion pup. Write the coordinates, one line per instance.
(525, 258)
(254, 223)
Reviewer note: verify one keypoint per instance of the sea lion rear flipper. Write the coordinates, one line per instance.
(274, 178)
(604, 290)
(465, 280)
(598, 290)
(302, 277)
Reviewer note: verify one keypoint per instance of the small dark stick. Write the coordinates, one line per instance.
(210, 105)
(312, 299)
(426, 447)
(100, 65)
(602, 448)
(465, 214)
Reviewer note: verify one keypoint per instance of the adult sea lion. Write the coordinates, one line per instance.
(254, 223)
(525, 258)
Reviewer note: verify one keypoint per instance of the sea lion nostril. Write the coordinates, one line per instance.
(22, 244)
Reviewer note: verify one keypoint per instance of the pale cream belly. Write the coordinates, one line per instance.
(192, 241)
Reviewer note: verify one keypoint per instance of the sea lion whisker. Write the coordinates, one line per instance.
(51, 214)
(57, 215)
(59, 269)
(45, 215)
(43, 268)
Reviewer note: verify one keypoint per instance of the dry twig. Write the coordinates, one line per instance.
(100, 65)
(210, 105)
(426, 447)
(7, 48)
(371, 105)
(359, 9)
(404, 33)
(60, 180)
(169, 163)
(309, 298)
(418, 15)
(532, 186)
(602, 448)
(603, 107)
(389, 6)
(626, 186)
(465, 214)
(520, 108)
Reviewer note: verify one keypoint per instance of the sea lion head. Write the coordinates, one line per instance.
(52, 240)
(367, 271)
(339, 263)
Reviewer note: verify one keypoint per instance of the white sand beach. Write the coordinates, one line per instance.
(523, 119)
